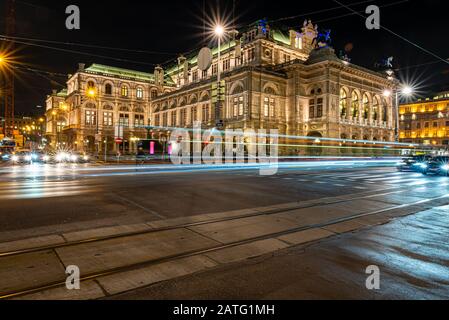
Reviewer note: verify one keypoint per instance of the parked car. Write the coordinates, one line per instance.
(413, 163)
(436, 166)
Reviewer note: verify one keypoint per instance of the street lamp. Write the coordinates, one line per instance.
(92, 94)
(219, 32)
(405, 91)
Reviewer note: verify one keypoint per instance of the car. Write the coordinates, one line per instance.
(77, 157)
(5, 156)
(22, 157)
(413, 163)
(40, 157)
(437, 166)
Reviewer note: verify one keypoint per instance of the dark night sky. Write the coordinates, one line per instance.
(175, 26)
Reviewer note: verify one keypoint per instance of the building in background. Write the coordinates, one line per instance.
(98, 99)
(28, 131)
(426, 121)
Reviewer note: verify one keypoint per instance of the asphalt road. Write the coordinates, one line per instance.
(63, 198)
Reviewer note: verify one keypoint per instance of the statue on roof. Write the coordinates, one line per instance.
(385, 63)
(323, 39)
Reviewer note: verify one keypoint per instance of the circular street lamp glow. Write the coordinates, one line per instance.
(407, 90)
(219, 30)
(387, 93)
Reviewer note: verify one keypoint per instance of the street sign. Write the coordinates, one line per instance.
(118, 140)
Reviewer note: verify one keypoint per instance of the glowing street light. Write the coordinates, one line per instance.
(219, 30)
(407, 91)
(387, 93)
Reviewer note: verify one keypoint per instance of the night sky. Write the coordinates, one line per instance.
(163, 29)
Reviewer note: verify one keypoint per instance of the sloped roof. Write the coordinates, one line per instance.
(120, 72)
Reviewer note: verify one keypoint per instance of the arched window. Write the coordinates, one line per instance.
(343, 103)
(376, 108)
(355, 105)
(124, 91)
(139, 93)
(365, 107)
(90, 85)
(154, 94)
(384, 111)
(269, 106)
(108, 89)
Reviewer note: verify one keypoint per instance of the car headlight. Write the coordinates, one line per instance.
(61, 157)
(423, 166)
(86, 158)
(15, 158)
(46, 158)
(28, 158)
(445, 167)
(73, 158)
(34, 156)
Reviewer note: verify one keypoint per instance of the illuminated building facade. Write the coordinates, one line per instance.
(97, 100)
(278, 81)
(271, 80)
(426, 121)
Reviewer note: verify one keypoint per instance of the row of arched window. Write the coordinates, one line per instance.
(124, 90)
(351, 107)
(137, 109)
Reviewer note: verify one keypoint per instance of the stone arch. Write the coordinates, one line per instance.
(108, 107)
(193, 99)
(204, 96)
(139, 109)
(124, 109)
(270, 88)
(237, 88)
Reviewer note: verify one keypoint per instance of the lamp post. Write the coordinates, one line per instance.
(91, 93)
(219, 32)
(405, 91)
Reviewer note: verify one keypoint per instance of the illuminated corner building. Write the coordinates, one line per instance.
(97, 100)
(426, 121)
(276, 80)
(26, 130)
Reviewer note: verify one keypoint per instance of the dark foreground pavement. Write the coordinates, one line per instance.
(412, 254)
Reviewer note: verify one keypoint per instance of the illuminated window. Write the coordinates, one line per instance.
(319, 108)
(355, 105)
(124, 91)
(139, 120)
(124, 120)
(312, 108)
(108, 119)
(173, 118)
(91, 118)
(205, 114)
(139, 93)
(195, 76)
(343, 103)
(365, 107)
(153, 94)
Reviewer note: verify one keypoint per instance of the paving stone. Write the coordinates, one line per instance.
(344, 227)
(30, 270)
(244, 229)
(89, 290)
(105, 232)
(142, 277)
(114, 253)
(246, 251)
(306, 236)
(31, 243)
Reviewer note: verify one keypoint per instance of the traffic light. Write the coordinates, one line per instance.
(218, 91)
